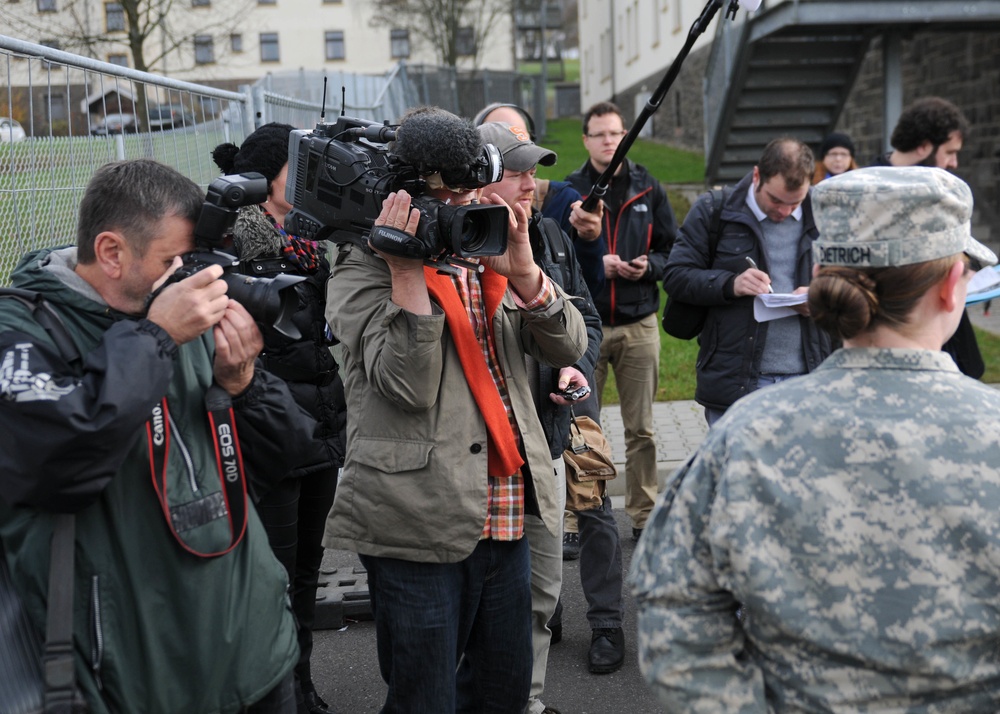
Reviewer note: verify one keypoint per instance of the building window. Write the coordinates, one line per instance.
(52, 44)
(465, 42)
(333, 2)
(335, 45)
(119, 59)
(204, 49)
(57, 107)
(201, 3)
(46, 5)
(269, 51)
(399, 43)
(114, 17)
(236, 43)
(267, 2)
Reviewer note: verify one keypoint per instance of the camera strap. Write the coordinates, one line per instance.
(207, 513)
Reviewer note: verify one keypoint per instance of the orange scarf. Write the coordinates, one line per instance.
(504, 457)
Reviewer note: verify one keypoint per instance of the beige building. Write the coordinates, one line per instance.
(621, 41)
(224, 41)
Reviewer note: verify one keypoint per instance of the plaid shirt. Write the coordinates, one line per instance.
(505, 496)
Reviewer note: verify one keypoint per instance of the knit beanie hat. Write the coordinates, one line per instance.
(834, 141)
(264, 151)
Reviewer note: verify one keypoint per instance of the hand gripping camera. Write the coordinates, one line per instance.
(270, 301)
(339, 174)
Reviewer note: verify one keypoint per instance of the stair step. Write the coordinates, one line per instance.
(791, 99)
(806, 116)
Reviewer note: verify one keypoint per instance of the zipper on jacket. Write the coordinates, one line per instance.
(185, 454)
(97, 633)
(613, 245)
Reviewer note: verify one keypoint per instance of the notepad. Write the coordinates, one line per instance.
(772, 306)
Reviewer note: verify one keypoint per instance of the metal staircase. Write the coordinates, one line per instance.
(789, 68)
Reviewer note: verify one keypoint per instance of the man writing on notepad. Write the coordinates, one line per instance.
(764, 244)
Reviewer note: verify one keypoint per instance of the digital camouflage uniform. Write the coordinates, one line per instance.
(834, 545)
(852, 513)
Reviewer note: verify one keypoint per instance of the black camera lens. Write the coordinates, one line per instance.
(267, 299)
(474, 230)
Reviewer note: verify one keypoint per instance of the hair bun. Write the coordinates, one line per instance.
(224, 156)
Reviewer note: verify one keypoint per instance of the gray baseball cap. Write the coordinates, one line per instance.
(891, 216)
(520, 153)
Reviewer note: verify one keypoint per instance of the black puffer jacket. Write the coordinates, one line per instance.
(732, 341)
(557, 259)
(643, 225)
(306, 364)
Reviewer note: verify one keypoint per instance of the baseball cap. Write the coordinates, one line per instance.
(520, 153)
(890, 216)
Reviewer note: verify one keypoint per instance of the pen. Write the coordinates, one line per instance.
(754, 266)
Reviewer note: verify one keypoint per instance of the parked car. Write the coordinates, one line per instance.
(116, 124)
(169, 116)
(11, 131)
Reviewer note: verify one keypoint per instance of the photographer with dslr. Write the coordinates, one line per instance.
(179, 604)
(294, 511)
(446, 454)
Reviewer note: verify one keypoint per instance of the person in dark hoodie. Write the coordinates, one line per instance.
(294, 512)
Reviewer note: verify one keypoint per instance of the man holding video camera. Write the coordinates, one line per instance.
(180, 605)
(446, 455)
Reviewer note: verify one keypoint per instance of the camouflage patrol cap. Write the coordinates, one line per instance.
(891, 216)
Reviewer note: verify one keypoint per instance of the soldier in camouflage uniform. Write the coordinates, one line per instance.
(834, 545)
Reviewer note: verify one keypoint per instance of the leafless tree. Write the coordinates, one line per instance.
(454, 29)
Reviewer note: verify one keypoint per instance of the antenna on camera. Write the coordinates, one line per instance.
(343, 100)
(322, 106)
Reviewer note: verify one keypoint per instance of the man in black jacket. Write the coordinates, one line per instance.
(639, 229)
(767, 219)
(930, 132)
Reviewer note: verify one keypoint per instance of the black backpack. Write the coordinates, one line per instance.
(684, 320)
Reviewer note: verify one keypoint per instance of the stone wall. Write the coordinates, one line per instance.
(964, 68)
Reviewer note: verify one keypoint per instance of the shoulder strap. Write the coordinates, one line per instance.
(57, 659)
(715, 223)
(47, 317)
(552, 234)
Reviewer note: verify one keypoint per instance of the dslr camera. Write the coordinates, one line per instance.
(339, 174)
(268, 300)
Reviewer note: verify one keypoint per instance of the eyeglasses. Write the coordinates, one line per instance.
(607, 135)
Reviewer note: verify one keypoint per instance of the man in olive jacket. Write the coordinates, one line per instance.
(445, 453)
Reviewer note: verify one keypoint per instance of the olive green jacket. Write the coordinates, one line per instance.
(414, 481)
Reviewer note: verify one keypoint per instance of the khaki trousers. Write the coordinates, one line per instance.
(633, 352)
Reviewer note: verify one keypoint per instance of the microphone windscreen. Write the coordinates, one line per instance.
(435, 140)
(750, 5)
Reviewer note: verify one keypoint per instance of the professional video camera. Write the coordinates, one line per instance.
(340, 173)
(268, 300)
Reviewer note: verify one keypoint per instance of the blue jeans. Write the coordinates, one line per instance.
(429, 616)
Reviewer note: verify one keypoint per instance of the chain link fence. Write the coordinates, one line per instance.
(73, 114)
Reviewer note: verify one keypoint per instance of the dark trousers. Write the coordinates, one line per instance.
(431, 616)
(601, 565)
(294, 516)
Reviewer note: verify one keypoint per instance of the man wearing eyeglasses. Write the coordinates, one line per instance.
(639, 229)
